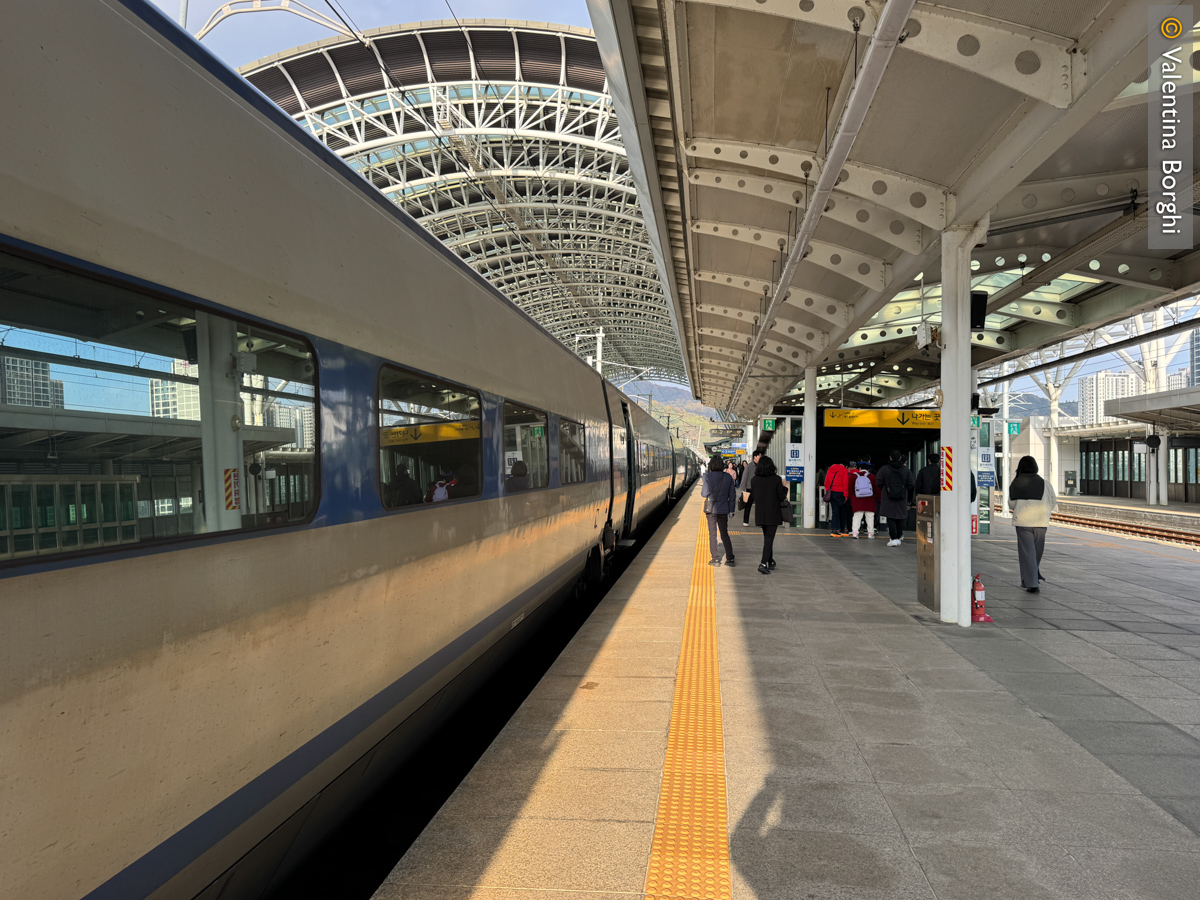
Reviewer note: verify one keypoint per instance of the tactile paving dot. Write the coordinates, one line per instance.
(689, 855)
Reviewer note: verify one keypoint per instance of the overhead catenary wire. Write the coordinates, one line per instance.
(351, 26)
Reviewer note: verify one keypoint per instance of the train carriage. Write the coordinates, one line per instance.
(362, 471)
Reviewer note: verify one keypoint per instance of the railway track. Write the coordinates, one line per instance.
(1188, 538)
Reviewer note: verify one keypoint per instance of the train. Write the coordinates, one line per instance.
(281, 478)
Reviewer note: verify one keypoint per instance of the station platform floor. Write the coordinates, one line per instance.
(718, 733)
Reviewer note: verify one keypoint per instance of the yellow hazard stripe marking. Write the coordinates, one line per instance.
(689, 856)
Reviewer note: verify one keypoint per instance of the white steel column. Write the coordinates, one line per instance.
(220, 417)
(1151, 472)
(955, 526)
(1006, 465)
(809, 488)
(1164, 471)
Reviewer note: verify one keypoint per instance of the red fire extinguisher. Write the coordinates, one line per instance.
(978, 605)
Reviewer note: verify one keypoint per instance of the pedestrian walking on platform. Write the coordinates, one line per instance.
(719, 491)
(895, 484)
(862, 500)
(1032, 500)
(744, 486)
(767, 493)
(837, 494)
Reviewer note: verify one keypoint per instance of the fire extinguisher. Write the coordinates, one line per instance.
(978, 602)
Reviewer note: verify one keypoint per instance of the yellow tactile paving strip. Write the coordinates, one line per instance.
(689, 856)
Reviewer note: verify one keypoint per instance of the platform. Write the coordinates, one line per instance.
(855, 749)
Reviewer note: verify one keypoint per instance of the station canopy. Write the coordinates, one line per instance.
(499, 138)
(1032, 113)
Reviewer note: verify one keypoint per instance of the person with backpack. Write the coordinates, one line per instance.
(744, 485)
(719, 491)
(862, 501)
(837, 495)
(896, 484)
(929, 479)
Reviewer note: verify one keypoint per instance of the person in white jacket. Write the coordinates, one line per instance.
(1033, 501)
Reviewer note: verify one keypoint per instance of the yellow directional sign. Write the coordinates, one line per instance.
(883, 418)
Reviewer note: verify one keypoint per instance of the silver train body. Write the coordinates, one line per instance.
(187, 718)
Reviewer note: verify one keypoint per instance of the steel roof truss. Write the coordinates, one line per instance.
(1035, 63)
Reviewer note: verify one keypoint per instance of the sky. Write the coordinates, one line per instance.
(245, 38)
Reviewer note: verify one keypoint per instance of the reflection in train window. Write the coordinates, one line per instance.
(102, 394)
(430, 441)
(572, 460)
(526, 449)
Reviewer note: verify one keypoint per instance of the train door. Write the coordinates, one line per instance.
(618, 441)
(675, 457)
(631, 467)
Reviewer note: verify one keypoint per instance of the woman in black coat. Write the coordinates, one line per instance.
(767, 493)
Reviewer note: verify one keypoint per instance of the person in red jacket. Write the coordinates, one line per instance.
(862, 500)
(837, 495)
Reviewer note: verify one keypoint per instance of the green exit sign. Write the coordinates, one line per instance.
(538, 430)
(1014, 427)
(974, 421)
(768, 424)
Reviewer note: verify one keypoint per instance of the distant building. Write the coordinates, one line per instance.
(306, 427)
(299, 418)
(1194, 357)
(174, 399)
(1180, 378)
(27, 382)
(1095, 389)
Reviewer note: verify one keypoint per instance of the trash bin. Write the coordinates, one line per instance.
(928, 553)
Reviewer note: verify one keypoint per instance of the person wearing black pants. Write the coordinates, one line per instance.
(767, 491)
(747, 475)
(720, 493)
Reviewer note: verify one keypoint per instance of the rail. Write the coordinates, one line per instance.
(1160, 534)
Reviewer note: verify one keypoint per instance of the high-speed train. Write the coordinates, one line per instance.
(281, 479)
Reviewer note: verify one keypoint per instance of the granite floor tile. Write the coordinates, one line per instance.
(529, 853)
(1174, 710)
(515, 747)
(1059, 770)
(779, 864)
(912, 764)
(1129, 821)
(531, 792)
(1158, 776)
(1081, 706)
(960, 871)
(901, 728)
(796, 805)
(960, 813)
(1159, 738)
(1135, 687)
(1141, 874)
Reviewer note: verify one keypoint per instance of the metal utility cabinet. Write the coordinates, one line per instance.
(928, 552)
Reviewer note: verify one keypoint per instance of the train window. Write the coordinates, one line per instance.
(430, 440)
(526, 449)
(103, 391)
(572, 458)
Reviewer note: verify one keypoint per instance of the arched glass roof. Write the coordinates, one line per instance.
(501, 139)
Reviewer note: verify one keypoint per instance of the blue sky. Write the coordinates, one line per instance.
(244, 38)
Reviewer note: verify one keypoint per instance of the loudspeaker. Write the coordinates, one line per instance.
(979, 301)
